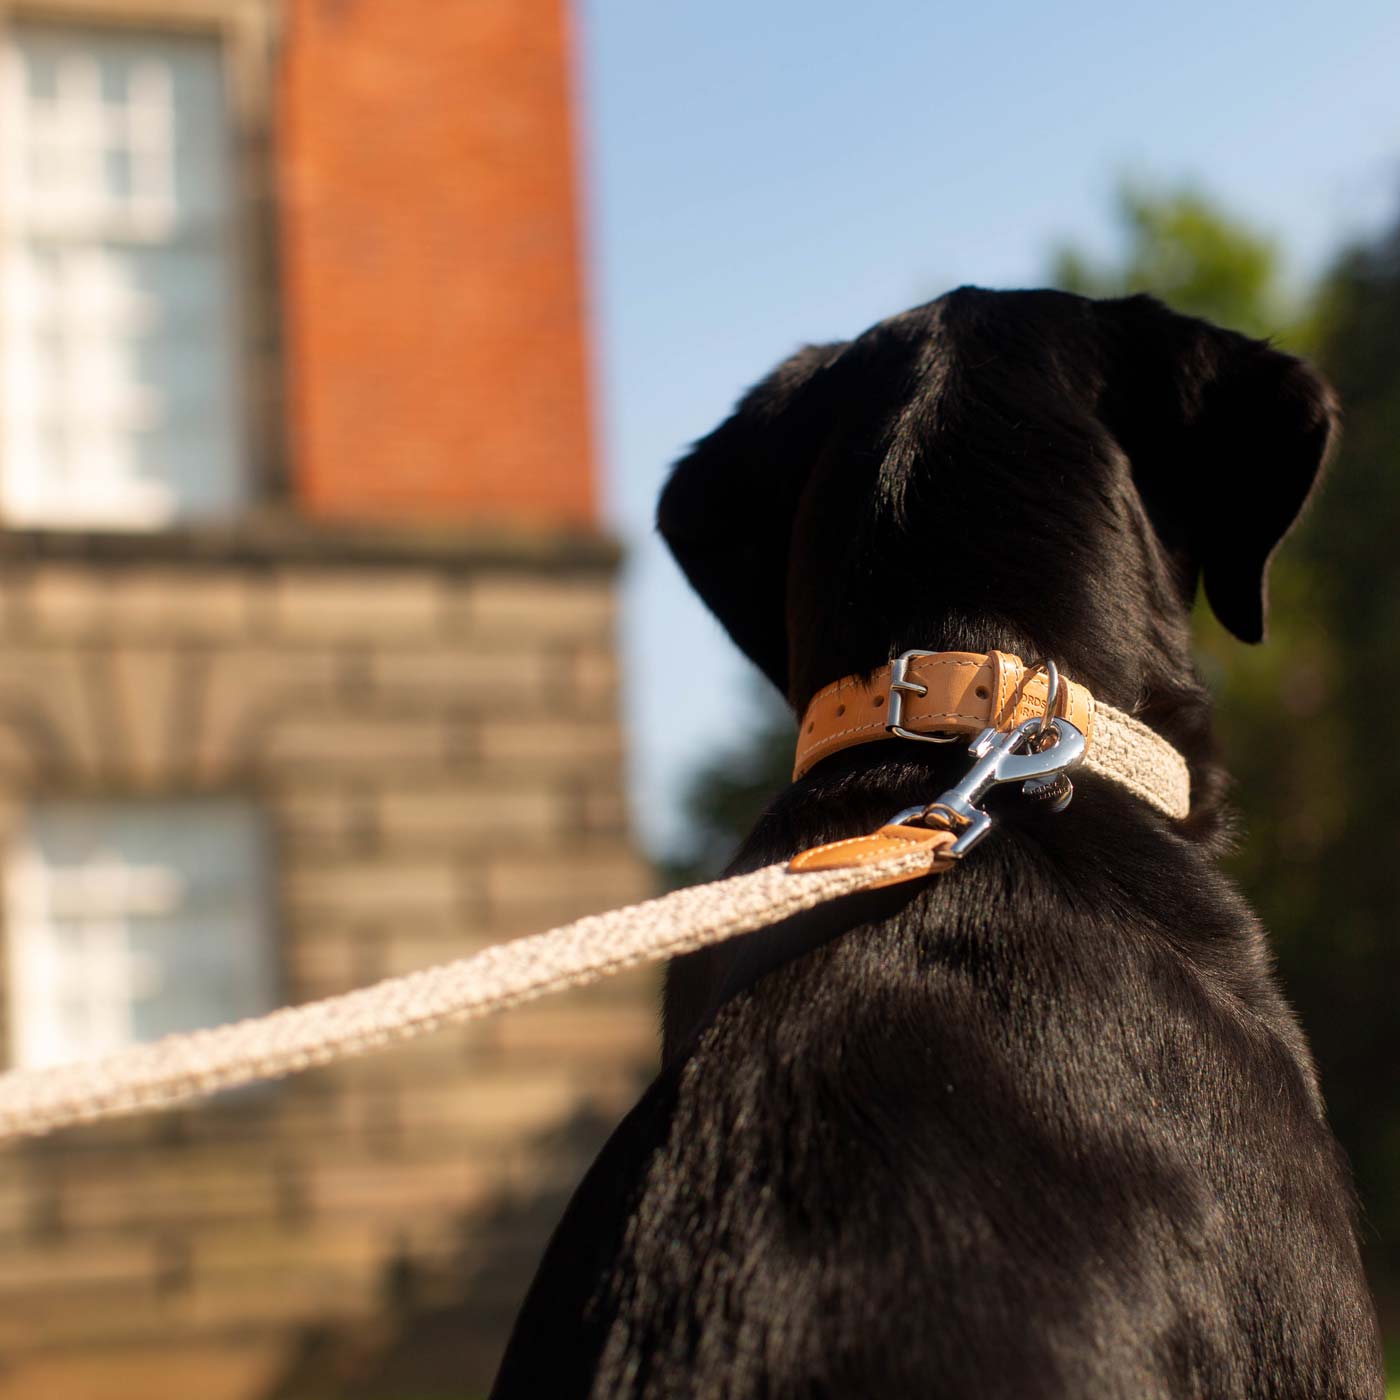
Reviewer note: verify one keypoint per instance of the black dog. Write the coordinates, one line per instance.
(1044, 1126)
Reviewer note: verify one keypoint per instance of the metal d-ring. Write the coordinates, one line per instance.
(1052, 691)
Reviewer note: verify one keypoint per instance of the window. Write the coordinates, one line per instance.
(118, 361)
(128, 921)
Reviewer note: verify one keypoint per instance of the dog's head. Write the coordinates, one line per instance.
(1033, 471)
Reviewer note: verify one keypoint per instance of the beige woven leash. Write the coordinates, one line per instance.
(918, 842)
(183, 1067)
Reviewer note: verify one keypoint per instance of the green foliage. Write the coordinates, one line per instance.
(1319, 797)
(1179, 246)
(1344, 960)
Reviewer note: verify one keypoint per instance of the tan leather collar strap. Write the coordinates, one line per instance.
(954, 693)
(941, 693)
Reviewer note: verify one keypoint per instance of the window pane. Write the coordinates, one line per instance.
(129, 921)
(119, 402)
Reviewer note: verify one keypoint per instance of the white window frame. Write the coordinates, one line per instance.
(249, 34)
(116, 228)
(97, 943)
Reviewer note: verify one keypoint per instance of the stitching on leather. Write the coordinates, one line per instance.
(878, 848)
(820, 746)
(808, 756)
(831, 846)
(889, 848)
(932, 663)
(920, 664)
(836, 687)
(841, 733)
(884, 847)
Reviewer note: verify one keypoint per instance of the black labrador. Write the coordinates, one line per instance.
(1044, 1126)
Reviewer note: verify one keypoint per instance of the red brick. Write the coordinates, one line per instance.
(431, 259)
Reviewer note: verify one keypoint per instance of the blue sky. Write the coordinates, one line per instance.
(762, 174)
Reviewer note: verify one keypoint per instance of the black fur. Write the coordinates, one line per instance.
(1044, 1126)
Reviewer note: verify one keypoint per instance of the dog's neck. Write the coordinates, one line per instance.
(1162, 690)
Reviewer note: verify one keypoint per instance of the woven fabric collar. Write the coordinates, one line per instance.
(947, 694)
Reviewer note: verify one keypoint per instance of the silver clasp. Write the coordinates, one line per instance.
(1020, 755)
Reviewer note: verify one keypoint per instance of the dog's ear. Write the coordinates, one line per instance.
(1227, 459)
(727, 512)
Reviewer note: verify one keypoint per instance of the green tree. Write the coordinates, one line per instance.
(1343, 960)
(1180, 246)
(1319, 798)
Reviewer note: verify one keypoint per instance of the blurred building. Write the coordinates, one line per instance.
(307, 669)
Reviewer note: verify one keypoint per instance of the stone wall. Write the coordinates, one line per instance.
(430, 722)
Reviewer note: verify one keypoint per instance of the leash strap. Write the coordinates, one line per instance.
(183, 1067)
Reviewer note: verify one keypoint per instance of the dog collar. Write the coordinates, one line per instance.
(941, 696)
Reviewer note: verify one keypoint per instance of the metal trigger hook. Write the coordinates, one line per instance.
(1042, 772)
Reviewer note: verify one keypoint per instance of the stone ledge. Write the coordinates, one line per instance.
(272, 538)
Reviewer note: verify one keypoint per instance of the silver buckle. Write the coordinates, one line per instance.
(899, 685)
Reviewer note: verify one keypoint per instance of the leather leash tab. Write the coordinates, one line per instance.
(881, 845)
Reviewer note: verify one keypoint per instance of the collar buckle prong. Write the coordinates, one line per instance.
(900, 685)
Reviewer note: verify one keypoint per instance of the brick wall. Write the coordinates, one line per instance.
(428, 221)
(431, 726)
